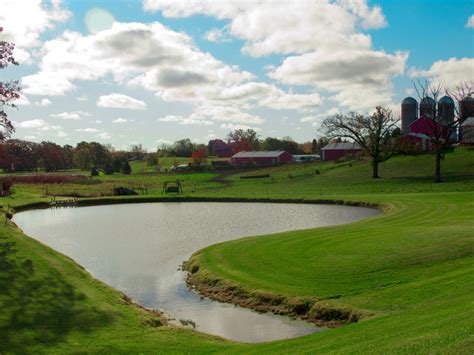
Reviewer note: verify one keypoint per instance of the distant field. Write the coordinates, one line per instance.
(410, 271)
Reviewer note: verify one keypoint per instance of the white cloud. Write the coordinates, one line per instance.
(38, 124)
(82, 98)
(74, 115)
(30, 138)
(120, 120)
(116, 100)
(283, 27)
(207, 114)
(43, 103)
(88, 130)
(470, 22)
(22, 101)
(188, 121)
(217, 35)
(450, 72)
(105, 135)
(24, 22)
(62, 134)
(359, 79)
(163, 141)
(233, 127)
(325, 39)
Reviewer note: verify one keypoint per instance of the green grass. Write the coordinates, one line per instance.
(410, 270)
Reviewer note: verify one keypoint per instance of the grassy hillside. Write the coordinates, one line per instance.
(410, 272)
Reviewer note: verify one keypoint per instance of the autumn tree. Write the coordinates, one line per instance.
(371, 132)
(244, 140)
(9, 91)
(199, 156)
(441, 127)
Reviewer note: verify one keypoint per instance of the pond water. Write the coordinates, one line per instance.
(138, 249)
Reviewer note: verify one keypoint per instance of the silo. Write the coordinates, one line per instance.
(446, 114)
(409, 113)
(427, 107)
(466, 108)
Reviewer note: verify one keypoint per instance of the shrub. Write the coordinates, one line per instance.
(126, 168)
(94, 171)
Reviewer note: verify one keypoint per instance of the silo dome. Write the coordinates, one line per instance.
(409, 113)
(446, 100)
(427, 107)
(409, 101)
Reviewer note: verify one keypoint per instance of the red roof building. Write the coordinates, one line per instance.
(261, 158)
(336, 151)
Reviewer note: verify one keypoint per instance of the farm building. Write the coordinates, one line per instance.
(261, 158)
(466, 131)
(336, 151)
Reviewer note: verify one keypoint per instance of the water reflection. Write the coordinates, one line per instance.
(138, 249)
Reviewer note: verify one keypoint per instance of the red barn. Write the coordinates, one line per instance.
(427, 127)
(336, 151)
(261, 158)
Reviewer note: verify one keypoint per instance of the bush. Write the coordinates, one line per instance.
(126, 168)
(94, 171)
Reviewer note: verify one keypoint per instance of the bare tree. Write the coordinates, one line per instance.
(371, 132)
(440, 127)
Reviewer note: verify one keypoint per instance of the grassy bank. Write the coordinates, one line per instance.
(408, 273)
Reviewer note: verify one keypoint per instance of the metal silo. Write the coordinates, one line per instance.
(427, 107)
(409, 113)
(446, 113)
(466, 107)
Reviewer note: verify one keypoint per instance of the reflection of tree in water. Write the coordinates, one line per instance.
(39, 307)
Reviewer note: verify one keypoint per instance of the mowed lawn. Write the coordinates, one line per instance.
(410, 270)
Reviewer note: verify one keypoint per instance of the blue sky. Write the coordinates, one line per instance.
(155, 71)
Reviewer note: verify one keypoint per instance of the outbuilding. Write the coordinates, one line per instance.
(466, 131)
(261, 158)
(336, 151)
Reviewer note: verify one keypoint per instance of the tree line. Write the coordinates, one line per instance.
(23, 156)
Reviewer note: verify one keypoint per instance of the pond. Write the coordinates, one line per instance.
(138, 249)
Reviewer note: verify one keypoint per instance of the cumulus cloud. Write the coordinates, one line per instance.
(43, 102)
(188, 121)
(325, 40)
(282, 27)
(105, 135)
(24, 22)
(233, 127)
(37, 124)
(74, 115)
(450, 72)
(360, 79)
(217, 35)
(470, 22)
(88, 130)
(120, 120)
(206, 115)
(116, 100)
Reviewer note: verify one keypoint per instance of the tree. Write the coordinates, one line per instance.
(371, 132)
(442, 127)
(9, 91)
(199, 156)
(183, 148)
(152, 160)
(138, 151)
(244, 140)
(126, 168)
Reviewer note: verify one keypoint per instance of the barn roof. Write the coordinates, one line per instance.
(341, 145)
(260, 154)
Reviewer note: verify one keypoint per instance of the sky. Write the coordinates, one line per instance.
(154, 71)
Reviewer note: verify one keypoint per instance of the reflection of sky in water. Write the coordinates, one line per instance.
(139, 248)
